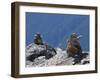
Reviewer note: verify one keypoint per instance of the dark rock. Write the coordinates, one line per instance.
(49, 52)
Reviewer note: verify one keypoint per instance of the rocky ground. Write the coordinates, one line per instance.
(59, 58)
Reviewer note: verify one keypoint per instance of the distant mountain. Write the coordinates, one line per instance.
(57, 28)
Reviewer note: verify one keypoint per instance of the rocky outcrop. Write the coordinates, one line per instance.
(39, 56)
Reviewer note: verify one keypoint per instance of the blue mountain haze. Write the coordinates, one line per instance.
(57, 28)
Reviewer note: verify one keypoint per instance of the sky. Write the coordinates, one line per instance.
(57, 28)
